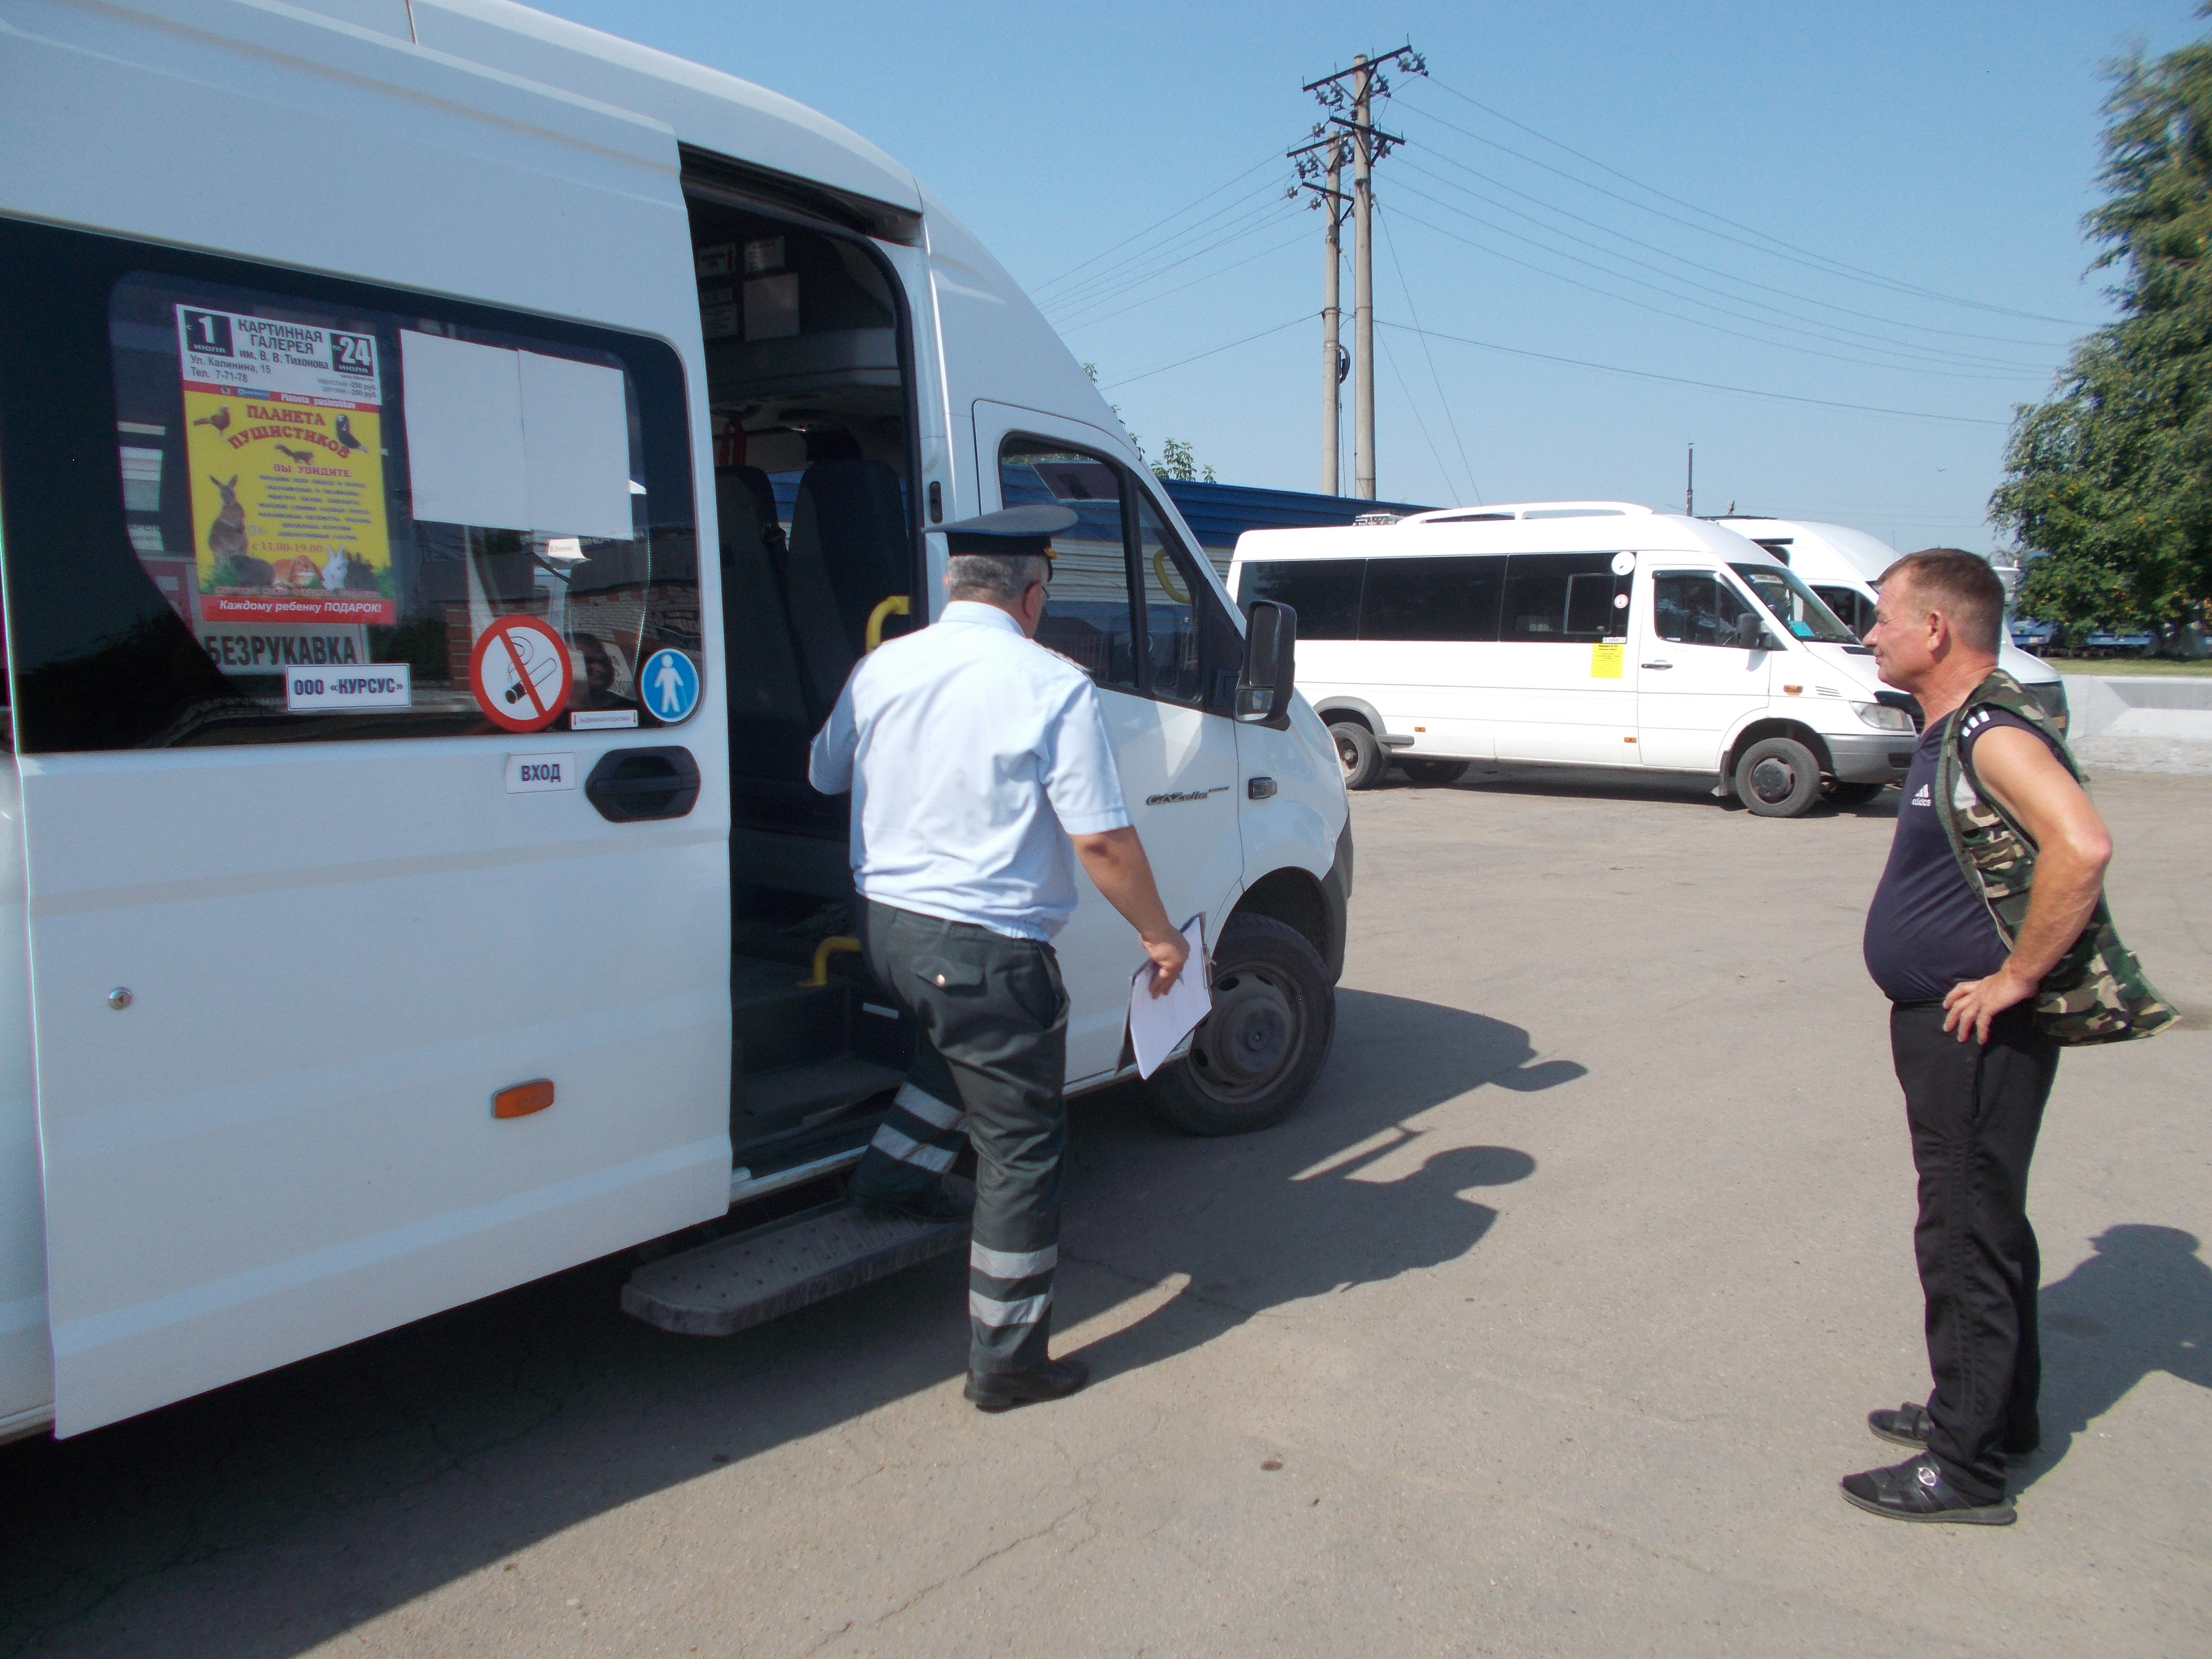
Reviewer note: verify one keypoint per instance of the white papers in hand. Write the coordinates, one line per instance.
(1158, 1025)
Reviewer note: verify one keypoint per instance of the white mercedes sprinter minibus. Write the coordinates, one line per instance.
(1583, 633)
(449, 461)
(1841, 565)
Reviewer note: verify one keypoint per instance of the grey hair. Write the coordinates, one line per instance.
(995, 578)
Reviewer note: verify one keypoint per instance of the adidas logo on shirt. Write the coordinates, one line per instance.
(1922, 798)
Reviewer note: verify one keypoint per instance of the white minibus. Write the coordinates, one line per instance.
(450, 459)
(1842, 564)
(1582, 633)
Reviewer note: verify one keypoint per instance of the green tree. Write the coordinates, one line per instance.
(1177, 460)
(2111, 479)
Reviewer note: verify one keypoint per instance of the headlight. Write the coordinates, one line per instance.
(1882, 717)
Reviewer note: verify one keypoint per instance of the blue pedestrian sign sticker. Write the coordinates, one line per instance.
(670, 686)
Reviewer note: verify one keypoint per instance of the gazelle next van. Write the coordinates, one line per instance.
(1583, 633)
(1841, 565)
(450, 460)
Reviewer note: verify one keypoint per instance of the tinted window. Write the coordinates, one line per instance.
(1088, 618)
(1852, 607)
(1325, 592)
(1437, 598)
(1563, 598)
(1174, 636)
(1794, 605)
(1697, 608)
(245, 504)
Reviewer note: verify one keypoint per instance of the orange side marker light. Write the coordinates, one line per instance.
(523, 1099)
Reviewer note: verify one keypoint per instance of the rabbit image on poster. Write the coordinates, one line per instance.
(301, 572)
(226, 542)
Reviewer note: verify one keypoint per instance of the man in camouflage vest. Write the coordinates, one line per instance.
(1975, 1063)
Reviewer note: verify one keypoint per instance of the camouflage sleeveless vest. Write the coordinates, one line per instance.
(2097, 991)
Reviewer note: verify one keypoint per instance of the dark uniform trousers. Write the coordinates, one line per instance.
(990, 1067)
(1973, 1110)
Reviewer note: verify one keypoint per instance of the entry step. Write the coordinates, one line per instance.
(819, 1088)
(733, 1284)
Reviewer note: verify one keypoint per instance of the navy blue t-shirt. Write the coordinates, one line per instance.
(1928, 929)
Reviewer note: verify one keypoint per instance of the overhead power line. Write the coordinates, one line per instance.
(1695, 322)
(1703, 386)
(1087, 322)
(1775, 248)
(1269, 160)
(1211, 351)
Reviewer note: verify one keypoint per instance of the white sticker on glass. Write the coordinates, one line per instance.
(326, 691)
(537, 775)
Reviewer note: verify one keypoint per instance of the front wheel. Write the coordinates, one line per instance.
(1364, 760)
(1252, 1060)
(1777, 778)
(1433, 773)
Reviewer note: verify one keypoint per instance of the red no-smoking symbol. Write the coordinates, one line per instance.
(519, 673)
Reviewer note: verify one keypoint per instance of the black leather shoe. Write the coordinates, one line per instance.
(1908, 1427)
(1918, 1490)
(999, 1391)
(935, 1206)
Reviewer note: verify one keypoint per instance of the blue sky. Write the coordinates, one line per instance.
(1936, 149)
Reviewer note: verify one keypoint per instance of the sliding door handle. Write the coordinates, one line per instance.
(630, 785)
(1658, 665)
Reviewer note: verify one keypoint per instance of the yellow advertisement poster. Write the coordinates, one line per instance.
(1605, 660)
(284, 425)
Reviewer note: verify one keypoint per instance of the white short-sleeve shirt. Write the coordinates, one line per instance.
(972, 753)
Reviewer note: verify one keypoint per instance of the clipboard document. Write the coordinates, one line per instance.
(1157, 1025)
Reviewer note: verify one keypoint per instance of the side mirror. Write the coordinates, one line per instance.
(1750, 634)
(1264, 682)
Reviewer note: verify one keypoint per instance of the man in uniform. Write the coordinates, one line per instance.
(1975, 1067)
(976, 757)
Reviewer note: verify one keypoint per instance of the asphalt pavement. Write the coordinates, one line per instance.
(1545, 1327)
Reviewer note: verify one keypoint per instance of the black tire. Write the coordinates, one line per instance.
(1364, 760)
(1851, 794)
(1252, 1060)
(1434, 773)
(1777, 778)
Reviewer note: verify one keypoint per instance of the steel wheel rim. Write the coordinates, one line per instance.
(1255, 1033)
(1773, 779)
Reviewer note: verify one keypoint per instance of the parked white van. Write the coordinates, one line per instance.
(449, 461)
(1842, 564)
(1585, 633)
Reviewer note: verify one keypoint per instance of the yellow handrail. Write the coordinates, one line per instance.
(1160, 569)
(897, 606)
(822, 952)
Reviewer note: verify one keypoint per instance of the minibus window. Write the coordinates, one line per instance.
(1325, 592)
(1431, 598)
(1088, 618)
(1175, 638)
(1696, 608)
(1852, 608)
(1564, 597)
(1794, 605)
(334, 511)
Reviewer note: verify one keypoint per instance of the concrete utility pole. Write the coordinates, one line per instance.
(1368, 144)
(1332, 351)
(1362, 282)
(1690, 484)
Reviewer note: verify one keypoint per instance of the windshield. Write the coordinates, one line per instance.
(1794, 605)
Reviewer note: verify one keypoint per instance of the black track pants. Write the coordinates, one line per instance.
(1974, 1111)
(993, 1055)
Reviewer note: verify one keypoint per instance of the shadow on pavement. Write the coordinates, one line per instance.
(2142, 1303)
(1621, 783)
(271, 1515)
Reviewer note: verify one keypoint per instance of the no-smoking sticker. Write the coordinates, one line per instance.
(519, 672)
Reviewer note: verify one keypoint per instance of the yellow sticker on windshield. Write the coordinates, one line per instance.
(1605, 660)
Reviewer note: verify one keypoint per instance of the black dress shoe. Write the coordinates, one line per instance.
(999, 1391)
(1918, 1490)
(1908, 1427)
(935, 1206)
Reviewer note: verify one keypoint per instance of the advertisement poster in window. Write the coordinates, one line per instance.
(284, 425)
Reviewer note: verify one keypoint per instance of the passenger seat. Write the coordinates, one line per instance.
(849, 550)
